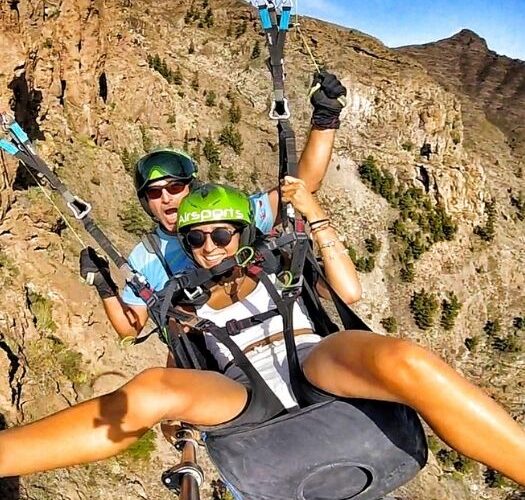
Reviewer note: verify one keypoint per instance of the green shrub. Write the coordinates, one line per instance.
(352, 253)
(230, 175)
(196, 152)
(134, 220)
(209, 20)
(365, 264)
(380, 182)
(372, 244)
(8, 269)
(240, 28)
(161, 66)
(510, 343)
(211, 151)
(256, 51)
(147, 143)
(192, 14)
(129, 159)
(234, 113)
(191, 48)
(451, 460)
(70, 363)
(389, 324)
(493, 479)
(407, 146)
(142, 449)
(362, 264)
(492, 328)
(407, 273)
(424, 307)
(449, 311)
(194, 84)
(471, 343)
(434, 444)
(42, 310)
(230, 136)
(210, 98)
(488, 231)
(518, 322)
(51, 357)
(177, 76)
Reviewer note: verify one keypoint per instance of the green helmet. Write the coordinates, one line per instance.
(217, 203)
(160, 164)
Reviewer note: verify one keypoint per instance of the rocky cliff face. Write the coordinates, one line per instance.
(494, 84)
(98, 83)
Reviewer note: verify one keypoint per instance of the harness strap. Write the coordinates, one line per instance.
(151, 242)
(275, 26)
(260, 389)
(351, 321)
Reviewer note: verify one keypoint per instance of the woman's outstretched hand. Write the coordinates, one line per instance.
(294, 191)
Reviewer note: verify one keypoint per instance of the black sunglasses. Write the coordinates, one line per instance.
(172, 187)
(221, 236)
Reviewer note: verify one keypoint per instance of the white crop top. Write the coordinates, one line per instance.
(256, 302)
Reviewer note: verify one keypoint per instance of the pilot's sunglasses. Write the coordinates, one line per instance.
(221, 236)
(173, 187)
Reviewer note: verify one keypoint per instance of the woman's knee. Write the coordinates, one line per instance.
(402, 365)
(151, 392)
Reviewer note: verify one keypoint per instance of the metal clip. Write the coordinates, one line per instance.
(274, 115)
(79, 207)
(193, 295)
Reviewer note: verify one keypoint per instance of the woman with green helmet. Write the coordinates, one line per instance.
(214, 222)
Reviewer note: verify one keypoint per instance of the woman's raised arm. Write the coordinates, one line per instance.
(338, 265)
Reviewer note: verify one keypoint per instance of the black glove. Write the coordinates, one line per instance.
(328, 97)
(95, 271)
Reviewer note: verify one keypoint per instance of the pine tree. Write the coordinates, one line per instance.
(256, 51)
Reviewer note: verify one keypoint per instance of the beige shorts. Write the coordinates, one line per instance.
(271, 363)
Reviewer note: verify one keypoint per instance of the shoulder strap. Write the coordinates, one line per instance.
(151, 242)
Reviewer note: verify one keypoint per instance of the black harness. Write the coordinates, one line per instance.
(355, 449)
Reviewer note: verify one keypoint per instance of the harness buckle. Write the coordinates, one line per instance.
(232, 327)
(79, 207)
(192, 295)
(282, 106)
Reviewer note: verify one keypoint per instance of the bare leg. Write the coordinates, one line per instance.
(367, 365)
(104, 426)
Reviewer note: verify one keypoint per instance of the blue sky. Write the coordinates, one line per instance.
(500, 22)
